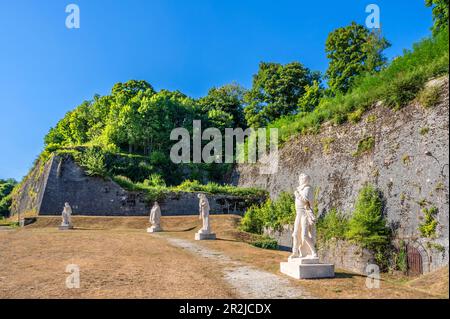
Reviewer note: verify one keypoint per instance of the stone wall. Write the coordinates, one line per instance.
(61, 180)
(409, 163)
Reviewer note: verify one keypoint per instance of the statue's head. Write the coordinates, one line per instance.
(155, 203)
(66, 204)
(304, 180)
(201, 196)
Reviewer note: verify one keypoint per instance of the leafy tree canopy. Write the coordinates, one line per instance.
(224, 106)
(276, 91)
(353, 50)
(440, 14)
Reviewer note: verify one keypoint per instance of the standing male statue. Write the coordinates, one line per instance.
(205, 231)
(155, 218)
(304, 262)
(66, 216)
(304, 235)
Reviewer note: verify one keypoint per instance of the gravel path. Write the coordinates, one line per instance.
(248, 281)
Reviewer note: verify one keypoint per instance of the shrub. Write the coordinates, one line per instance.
(93, 161)
(332, 225)
(403, 89)
(401, 258)
(252, 221)
(155, 180)
(265, 242)
(367, 225)
(273, 214)
(429, 96)
(5, 204)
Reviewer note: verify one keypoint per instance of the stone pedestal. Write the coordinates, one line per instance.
(205, 236)
(306, 268)
(154, 229)
(65, 227)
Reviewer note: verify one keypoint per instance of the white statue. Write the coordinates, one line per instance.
(304, 262)
(304, 235)
(203, 206)
(66, 217)
(155, 218)
(205, 231)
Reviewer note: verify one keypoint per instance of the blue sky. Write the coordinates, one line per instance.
(47, 69)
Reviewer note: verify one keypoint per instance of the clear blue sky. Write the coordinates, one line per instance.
(47, 69)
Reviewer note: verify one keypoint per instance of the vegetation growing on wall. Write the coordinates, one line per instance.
(428, 227)
(365, 145)
(156, 189)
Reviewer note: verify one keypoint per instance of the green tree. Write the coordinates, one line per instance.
(225, 105)
(6, 187)
(276, 91)
(367, 225)
(440, 14)
(310, 100)
(353, 50)
(131, 88)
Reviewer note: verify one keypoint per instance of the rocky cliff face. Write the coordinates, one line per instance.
(404, 153)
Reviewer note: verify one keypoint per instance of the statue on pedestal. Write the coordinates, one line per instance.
(205, 231)
(304, 262)
(304, 235)
(66, 216)
(155, 218)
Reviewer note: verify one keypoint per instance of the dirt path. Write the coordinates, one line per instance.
(247, 281)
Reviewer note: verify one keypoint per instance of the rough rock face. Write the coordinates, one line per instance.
(409, 163)
(61, 180)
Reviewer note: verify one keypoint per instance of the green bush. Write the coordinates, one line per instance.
(401, 258)
(265, 242)
(252, 221)
(367, 226)
(403, 89)
(6, 188)
(155, 180)
(332, 225)
(273, 214)
(5, 204)
(214, 188)
(93, 161)
(430, 96)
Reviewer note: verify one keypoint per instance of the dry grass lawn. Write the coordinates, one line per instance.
(118, 259)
